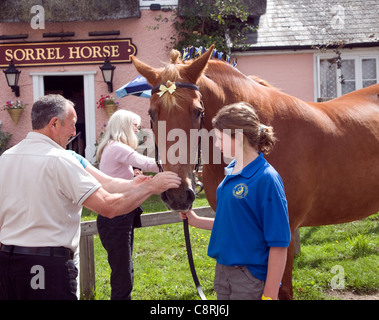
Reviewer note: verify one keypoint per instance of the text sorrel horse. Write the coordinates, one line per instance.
(327, 153)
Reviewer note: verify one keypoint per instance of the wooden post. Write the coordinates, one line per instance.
(87, 260)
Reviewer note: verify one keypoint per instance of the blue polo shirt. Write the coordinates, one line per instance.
(251, 217)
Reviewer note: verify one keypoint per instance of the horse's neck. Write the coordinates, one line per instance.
(235, 87)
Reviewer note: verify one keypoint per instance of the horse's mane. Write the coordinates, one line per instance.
(170, 74)
(261, 82)
(227, 81)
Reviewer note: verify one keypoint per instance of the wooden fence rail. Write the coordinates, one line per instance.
(87, 252)
(89, 229)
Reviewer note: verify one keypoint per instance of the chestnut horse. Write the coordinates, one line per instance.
(327, 153)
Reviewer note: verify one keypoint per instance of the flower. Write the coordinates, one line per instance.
(14, 105)
(105, 100)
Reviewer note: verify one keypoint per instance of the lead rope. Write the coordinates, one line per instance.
(190, 260)
(185, 222)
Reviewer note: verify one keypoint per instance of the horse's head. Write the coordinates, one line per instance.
(175, 109)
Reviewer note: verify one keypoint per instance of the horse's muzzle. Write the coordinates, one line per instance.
(177, 200)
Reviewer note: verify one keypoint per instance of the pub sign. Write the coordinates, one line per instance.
(66, 52)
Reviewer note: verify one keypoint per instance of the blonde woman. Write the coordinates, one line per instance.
(117, 158)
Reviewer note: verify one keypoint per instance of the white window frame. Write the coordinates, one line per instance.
(145, 4)
(357, 56)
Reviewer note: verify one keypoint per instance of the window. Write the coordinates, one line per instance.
(356, 72)
(146, 3)
(369, 74)
(347, 77)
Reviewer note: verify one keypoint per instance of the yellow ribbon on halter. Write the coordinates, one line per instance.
(163, 89)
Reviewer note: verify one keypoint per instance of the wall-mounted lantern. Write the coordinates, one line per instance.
(108, 70)
(12, 75)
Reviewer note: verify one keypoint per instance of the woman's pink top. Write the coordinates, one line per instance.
(118, 160)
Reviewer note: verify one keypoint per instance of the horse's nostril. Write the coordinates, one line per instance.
(190, 196)
(164, 196)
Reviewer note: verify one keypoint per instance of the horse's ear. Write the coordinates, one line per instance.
(196, 68)
(145, 70)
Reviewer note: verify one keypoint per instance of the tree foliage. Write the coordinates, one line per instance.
(224, 23)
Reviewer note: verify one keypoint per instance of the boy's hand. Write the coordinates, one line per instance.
(196, 221)
(190, 215)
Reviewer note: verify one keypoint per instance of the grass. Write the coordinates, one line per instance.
(160, 259)
(351, 250)
(162, 271)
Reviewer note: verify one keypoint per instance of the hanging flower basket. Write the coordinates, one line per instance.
(15, 115)
(108, 104)
(110, 109)
(15, 109)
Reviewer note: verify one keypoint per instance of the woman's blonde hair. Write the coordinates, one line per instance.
(242, 115)
(120, 128)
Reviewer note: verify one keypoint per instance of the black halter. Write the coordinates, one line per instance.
(190, 86)
(183, 85)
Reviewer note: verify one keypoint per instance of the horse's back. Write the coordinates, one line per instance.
(370, 93)
(361, 102)
(347, 170)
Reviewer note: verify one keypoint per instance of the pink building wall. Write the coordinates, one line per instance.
(292, 73)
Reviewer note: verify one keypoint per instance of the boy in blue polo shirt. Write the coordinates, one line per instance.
(250, 233)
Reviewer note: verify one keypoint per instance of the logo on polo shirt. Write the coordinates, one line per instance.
(240, 191)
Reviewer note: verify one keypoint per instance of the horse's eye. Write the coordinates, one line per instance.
(197, 113)
(152, 115)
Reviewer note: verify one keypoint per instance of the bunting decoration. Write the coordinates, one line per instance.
(187, 53)
(198, 52)
(214, 53)
(195, 52)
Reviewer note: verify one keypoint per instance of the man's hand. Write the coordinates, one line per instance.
(140, 179)
(111, 205)
(163, 181)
